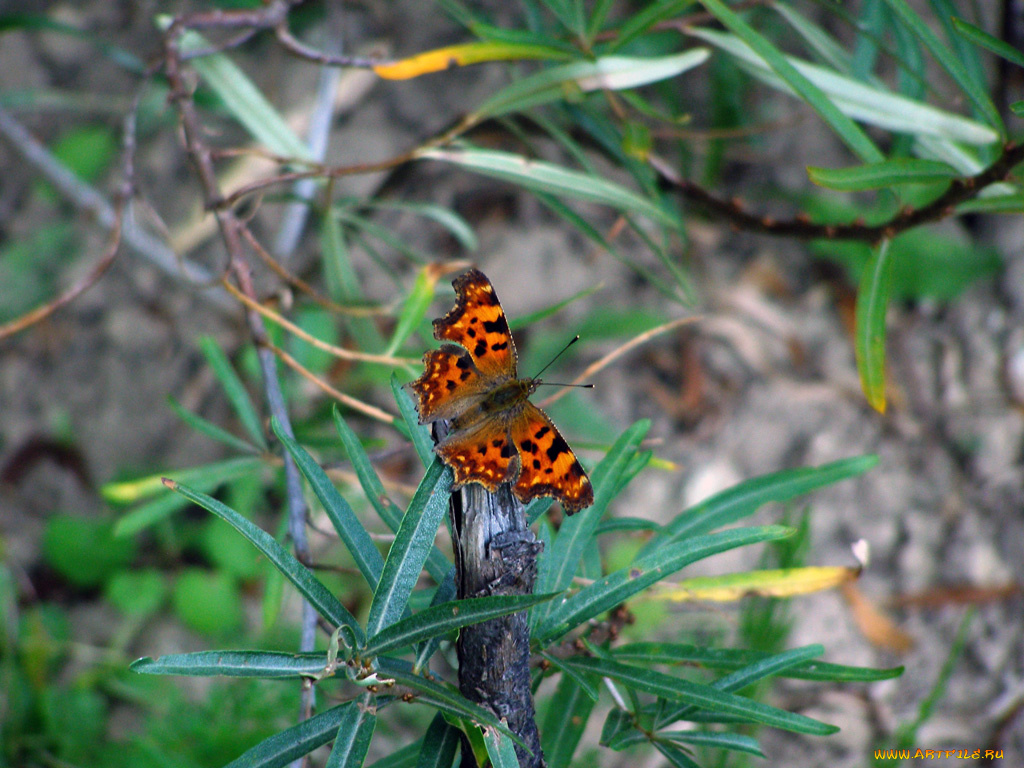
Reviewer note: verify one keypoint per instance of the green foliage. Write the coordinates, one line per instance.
(84, 550)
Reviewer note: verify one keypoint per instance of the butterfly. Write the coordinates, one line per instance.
(496, 435)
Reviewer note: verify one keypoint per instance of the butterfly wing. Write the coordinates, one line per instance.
(478, 323)
(548, 467)
(482, 453)
(450, 384)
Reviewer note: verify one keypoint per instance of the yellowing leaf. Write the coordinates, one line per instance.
(784, 582)
(441, 59)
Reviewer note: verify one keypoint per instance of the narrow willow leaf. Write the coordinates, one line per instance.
(440, 744)
(500, 749)
(419, 433)
(985, 40)
(844, 127)
(581, 680)
(869, 345)
(414, 309)
(291, 744)
(211, 430)
(644, 17)
(700, 696)
(1011, 203)
(560, 562)
(734, 742)
(441, 59)
(676, 756)
(783, 582)
(349, 527)
(608, 592)
(203, 478)
(854, 99)
(267, 664)
(824, 44)
(901, 170)
(441, 619)
(565, 721)
(326, 604)
(234, 389)
(409, 551)
(443, 697)
(406, 757)
(456, 226)
(606, 73)
(243, 100)
(368, 479)
(730, 659)
(538, 175)
(733, 504)
(354, 734)
(949, 61)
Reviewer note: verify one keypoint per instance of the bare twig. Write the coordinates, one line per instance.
(339, 352)
(354, 403)
(959, 191)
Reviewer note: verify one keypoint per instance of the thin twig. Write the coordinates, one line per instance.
(355, 404)
(959, 191)
(339, 352)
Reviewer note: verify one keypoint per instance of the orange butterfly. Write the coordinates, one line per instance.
(496, 434)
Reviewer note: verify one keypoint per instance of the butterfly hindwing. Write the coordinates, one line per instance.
(478, 323)
(482, 453)
(548, 467)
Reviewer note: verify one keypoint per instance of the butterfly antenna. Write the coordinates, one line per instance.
(572, 341)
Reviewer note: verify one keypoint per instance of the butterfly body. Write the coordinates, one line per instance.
(496, 435)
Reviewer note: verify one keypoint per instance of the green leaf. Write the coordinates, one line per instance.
(852, 98)
(606, 73)
(414, 309)
(409, 551)
(980, 37)
(729, 659)
(457, 226)
(243, 100)
(291, 744)
(326, 604)
(566, 719)
(437, 564)
(84, 550)
(208, 601)
(869, 345)
(735, 503)
(844, 127)
(404, 758)
(732, 741)
(419, 433)
(559, 564)
(700, 696)
(440, 744)
(137, 593)
(265, 664)
(216, 473)
(441, 619)
(889, 173)
(349, 527)
(354, 734)
(1011, 203)
(234, 389)
(541, 176)
(443, 697)
(644, 16)
(211, 430)
(500, 749)
(610, 591)
(949, 61)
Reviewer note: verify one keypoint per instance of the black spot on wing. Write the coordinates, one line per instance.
(496, 326)
(498, 346)
(528, 446)
(542, 431)
(558, 447)
(480, 348)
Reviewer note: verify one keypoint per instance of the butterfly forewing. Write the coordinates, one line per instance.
(478, 323)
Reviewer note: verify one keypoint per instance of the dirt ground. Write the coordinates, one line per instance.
(765, 380)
